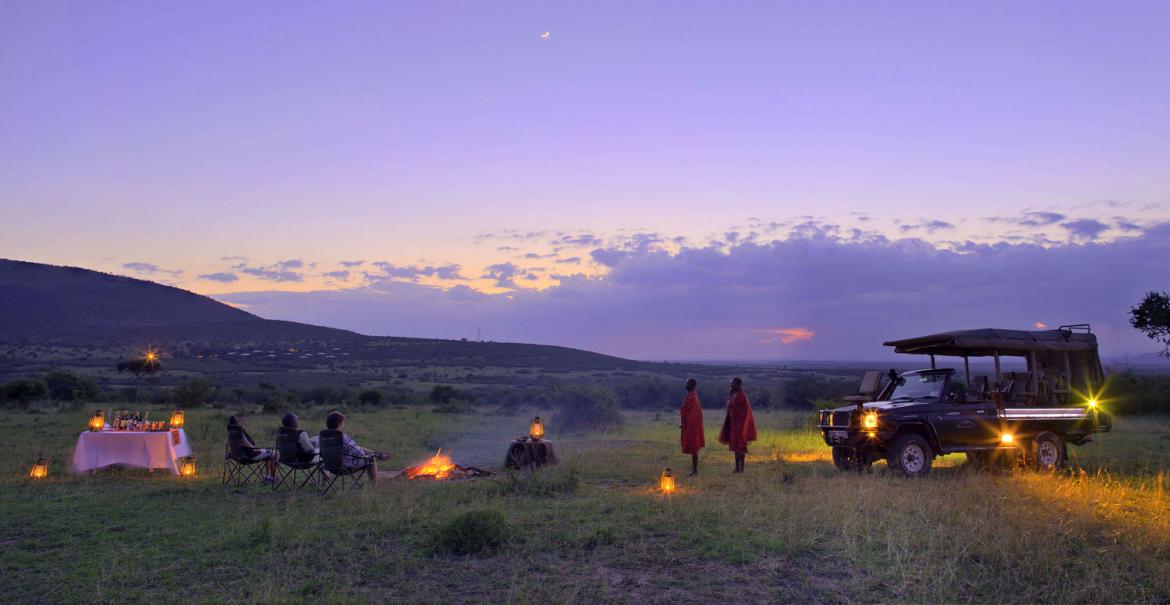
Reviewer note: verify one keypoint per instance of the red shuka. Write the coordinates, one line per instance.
(692, 424)
(739, 426)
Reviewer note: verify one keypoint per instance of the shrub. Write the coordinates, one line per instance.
(67, 386)
(371, 397)
(473, 532)
(587, 407)
(23, 392)
(193, 392)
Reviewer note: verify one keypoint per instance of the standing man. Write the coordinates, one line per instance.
(692, 425)
(739, 426)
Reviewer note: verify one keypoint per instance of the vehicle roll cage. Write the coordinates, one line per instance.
(1066, 353)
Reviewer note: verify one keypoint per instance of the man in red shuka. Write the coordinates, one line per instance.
(739, 426)
(692, 425)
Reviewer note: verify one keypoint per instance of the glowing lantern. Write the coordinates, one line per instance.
(536, 431)
(40, 470)
(98, 422)
(666, 483)
(177, 419)
(187, 469)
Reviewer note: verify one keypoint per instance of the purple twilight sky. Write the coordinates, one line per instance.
(669, 180)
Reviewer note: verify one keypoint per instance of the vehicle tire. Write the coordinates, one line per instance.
(1047, 451)
(911, 455)
(850, 460)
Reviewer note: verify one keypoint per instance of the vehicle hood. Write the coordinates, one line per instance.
(880, 405)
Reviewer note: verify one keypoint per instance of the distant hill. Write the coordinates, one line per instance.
(68, 306)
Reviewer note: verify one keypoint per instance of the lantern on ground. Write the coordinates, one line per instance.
(187, 468)
(177, 419)
(40, 469)
(536, 431)
(98, 422)
(666, 483)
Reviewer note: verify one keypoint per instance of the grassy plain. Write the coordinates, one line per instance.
(592, 529)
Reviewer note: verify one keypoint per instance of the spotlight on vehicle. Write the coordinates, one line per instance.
(1093, 404)
(870, 421)
(1007, 438)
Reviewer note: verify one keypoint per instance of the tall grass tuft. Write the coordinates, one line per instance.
(473, 532)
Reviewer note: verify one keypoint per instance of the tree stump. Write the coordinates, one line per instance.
(530, 453)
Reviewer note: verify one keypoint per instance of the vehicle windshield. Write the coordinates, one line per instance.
(918, 386)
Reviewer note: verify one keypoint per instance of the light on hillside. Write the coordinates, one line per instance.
(188, 467)
(177, 419)
(40, 469)
(536, 430)
(98, 422)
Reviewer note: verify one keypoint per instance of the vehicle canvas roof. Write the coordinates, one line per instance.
(987, 341)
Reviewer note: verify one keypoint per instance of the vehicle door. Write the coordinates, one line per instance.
(965, 424)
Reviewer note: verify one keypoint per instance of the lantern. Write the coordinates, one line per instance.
(40, 470)
(98, 422)
(536, 431)
(666, 483)
(187, 468)
(177, 419)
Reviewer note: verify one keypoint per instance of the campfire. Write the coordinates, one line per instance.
(441, 467)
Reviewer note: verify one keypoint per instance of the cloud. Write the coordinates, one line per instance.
(583, 240)
(608, 257)
(1085, 228)
(927, 226)
(342, 275)
(295, 263)
(223, 277)
(572, 260)
(450, 271)
(352, 263)
(277, 273)
(149, 268)
(851, 292)
(503, 274)
(1031, 218)
(789, 336)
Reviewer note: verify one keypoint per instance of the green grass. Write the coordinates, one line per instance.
(592, 529)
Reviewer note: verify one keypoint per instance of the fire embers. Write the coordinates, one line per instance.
(441, 467)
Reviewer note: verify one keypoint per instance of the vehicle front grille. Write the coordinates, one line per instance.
(836, 419)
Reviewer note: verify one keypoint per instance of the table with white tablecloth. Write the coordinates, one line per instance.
(150, 450)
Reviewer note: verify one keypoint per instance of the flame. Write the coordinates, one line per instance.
(438, 467)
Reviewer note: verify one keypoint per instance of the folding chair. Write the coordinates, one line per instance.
(237, 466)
(291, 467)
(333, 469)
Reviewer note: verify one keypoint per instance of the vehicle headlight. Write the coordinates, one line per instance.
(870, 420)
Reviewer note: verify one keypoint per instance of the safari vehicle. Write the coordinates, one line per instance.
(910, 418)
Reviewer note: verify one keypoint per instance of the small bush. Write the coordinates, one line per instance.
(371, 397)
(588, 407)
(473, 532)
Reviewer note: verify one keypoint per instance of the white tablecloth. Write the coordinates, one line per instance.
(152, 450)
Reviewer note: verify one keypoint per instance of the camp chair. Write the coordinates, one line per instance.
(291, 467)
(237, 465)
(870, 384)
(332, 444)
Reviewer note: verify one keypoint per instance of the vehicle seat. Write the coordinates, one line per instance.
(870, 385)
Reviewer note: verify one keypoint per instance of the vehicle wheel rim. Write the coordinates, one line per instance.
(1047, 454)
(912, 458)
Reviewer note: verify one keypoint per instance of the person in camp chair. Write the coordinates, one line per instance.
(356, 456)
(244, 447)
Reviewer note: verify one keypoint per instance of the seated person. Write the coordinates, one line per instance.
(306, 451)
(244, 447)
(355, 455)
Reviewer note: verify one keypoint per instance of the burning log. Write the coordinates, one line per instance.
(440, 467)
